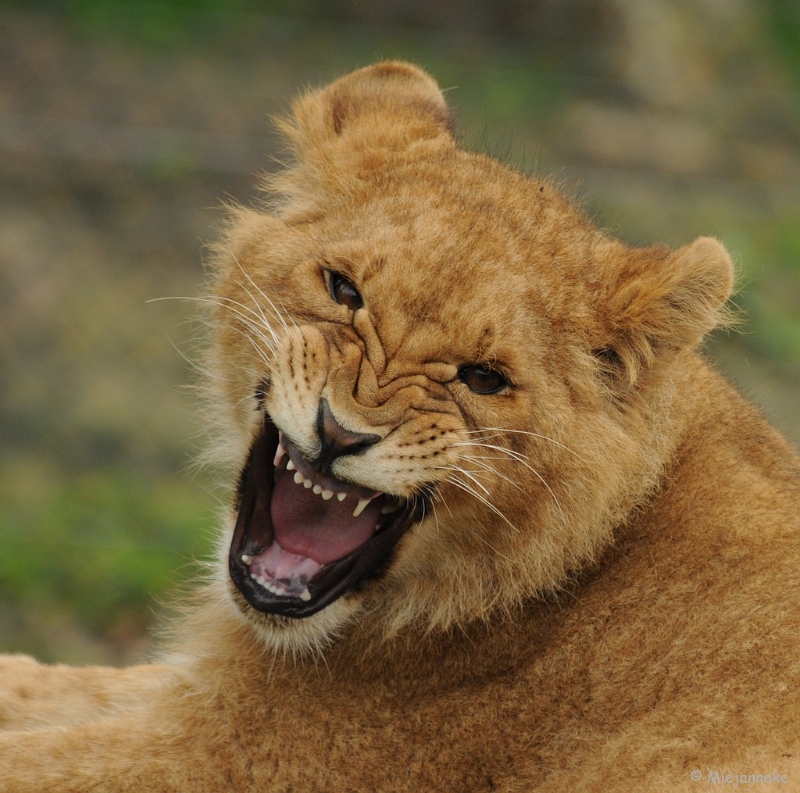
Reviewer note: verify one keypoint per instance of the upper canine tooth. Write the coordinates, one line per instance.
(317, 489)
(280, 452)
(290, 465)
(341, 496)
(361, 506)
(326, 494)
(298, 478)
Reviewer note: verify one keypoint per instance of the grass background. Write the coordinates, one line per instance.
(124, 125)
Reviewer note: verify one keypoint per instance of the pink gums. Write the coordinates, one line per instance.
(277, 564)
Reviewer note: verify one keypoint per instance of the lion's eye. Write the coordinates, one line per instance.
(481, 379)
(343, 291)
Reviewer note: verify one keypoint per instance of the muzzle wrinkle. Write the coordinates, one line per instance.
(362, 399)
(366, 330)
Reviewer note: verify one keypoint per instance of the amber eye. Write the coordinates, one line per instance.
(343, 291)
(481, 379)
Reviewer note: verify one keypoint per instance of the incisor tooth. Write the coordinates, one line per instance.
(307, 483)
(290, 465)
(361, 506)
(326, 494)
(298, 478)
(341, 496)
(317, 489)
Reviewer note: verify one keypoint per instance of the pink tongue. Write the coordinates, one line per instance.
(307, 525)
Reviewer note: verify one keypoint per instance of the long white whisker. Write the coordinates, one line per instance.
(467, 489)
(262, 322)
(520, 459)
(254, 329)
(274, 308)
(287, 313)
(470, 474)
(490, 468)
(518, 456)
(227, 303)
(500, 431)
(435, 516)
(258, 349)
(262, 316)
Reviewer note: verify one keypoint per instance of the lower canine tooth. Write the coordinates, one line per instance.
(305, 595)
(246, 558)
(361, 506)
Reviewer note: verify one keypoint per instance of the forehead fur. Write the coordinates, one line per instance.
(413, 226)
(381, 187)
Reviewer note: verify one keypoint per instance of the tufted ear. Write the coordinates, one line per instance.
(655, 302)
(393, 103)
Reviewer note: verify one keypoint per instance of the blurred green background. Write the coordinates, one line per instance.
(123, 126)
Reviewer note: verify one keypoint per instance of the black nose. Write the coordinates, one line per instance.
(335, 440)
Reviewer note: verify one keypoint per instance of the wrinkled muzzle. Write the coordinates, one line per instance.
(327, 490)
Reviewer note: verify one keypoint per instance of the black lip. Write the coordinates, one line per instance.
(335, 578)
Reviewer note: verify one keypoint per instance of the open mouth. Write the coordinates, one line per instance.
(303, 538)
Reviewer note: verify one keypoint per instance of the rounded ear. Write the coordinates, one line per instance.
(394, 102)
(655, 302)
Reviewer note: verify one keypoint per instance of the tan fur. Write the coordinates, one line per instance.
(604, 594)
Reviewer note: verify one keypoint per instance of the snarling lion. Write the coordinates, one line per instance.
(497, 524)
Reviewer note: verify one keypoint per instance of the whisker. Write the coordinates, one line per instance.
(501, 431)
(491, 469)
(269, 343)
(262, 316)
(471, 491)
(467, 489)
(516, 456)
(258, 349)
(226, 303)
(274, 308)
(263, 322)
(470, 474)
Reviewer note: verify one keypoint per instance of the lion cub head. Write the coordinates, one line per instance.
(444, 386)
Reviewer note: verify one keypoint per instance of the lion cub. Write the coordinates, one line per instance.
(496, 525)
